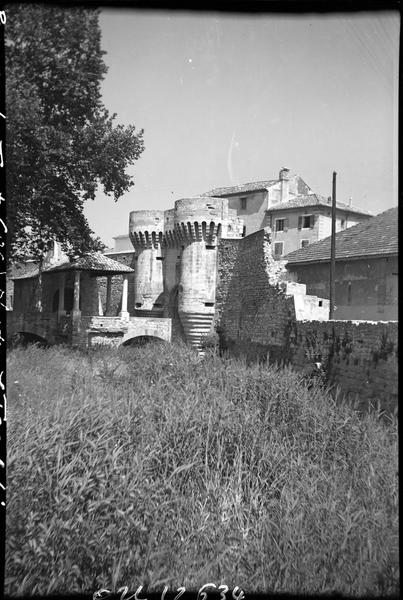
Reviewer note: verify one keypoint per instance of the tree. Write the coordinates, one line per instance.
(61, 140)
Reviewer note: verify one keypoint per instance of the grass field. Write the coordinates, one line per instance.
(152, 466)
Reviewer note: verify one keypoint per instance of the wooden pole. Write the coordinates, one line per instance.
(333, 251)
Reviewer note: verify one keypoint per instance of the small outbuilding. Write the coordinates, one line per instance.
(366, 283)
(58, 302)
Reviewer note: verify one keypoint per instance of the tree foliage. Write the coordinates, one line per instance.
(61, 140)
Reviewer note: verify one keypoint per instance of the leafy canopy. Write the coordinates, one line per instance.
(61, 140)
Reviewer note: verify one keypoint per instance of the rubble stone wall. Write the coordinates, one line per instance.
(259, 317)
(360, 357)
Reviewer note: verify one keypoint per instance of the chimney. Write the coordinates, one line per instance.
(350, 202)
(284, 177)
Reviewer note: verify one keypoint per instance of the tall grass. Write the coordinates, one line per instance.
(152, 466)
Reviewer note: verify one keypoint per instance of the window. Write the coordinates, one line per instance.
(278, 248)
(279, 224)
(343, 224)
(243, 203)
(304, 243)
(306, 222)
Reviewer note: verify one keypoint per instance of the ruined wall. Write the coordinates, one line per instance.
(255, 313)
(227, 257)
(261, 315)
(360, 357)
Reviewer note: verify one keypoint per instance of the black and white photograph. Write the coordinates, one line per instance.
(200, 254)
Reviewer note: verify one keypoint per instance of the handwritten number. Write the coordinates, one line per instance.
(181, 591)
(238, 595)
(99, 594)
(224, 590)
(164, 591)
(124, 591)
(138, 592)
(202, 593)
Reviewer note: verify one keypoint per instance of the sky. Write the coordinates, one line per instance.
(225, 99)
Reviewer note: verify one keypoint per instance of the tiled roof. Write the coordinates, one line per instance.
(22, 270)
(253, 186)
(95, 262)
(316, 200)
(373, 237)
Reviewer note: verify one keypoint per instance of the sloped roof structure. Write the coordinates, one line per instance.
(95, 262)
(377, 236)
(316, 200)
(252, 186)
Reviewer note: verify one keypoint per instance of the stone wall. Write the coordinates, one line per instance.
(360, 357)
(227, 256)
(128, 259)
(255, 313)
(261, 315)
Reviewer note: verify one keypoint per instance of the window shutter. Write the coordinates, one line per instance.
(299, 222)
(285, 224)
(312, 221)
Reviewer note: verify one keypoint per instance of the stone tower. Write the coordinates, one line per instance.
(198, 224)
(176, 261)
(146, 230)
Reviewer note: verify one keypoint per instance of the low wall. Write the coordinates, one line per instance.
(360, 357)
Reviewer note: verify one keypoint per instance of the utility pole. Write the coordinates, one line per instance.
(333, 250)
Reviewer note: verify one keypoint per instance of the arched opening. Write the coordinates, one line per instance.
(142, 340)
(24, 338)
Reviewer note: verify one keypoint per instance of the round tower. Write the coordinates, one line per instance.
(146, 230)
(198, 223)
(172, 256)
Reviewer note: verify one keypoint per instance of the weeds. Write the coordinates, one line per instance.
(151, 465)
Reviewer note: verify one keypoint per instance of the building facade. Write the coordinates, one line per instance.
(366, 280)
(297, 216)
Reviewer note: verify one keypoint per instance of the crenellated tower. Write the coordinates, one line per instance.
(197, 228)
(146, 230)
(176, 262)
